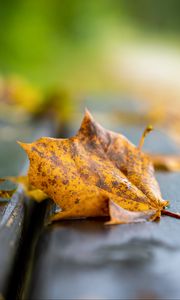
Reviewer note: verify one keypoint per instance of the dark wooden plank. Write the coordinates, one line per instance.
(15, 214)
(87, 260)
(84, 259)
(11, 228)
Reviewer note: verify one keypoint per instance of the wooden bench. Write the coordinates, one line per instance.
(83, 259)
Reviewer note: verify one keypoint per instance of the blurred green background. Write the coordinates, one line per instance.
(75, 43)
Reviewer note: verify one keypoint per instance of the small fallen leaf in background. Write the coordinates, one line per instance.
(29, 190)
(163, 116)
(6, 194)
(96, 173)
(166, 162)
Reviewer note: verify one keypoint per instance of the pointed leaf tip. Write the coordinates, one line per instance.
(25, 146)
(88, 114)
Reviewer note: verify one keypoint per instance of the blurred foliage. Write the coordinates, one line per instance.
(158, 15)
(61, 42)
(19, 100)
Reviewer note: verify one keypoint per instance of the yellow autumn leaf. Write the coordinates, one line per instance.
(82, 173)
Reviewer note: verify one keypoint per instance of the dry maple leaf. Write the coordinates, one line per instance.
(86, 173)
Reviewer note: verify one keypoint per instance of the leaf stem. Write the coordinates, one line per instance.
(148, 129)
(170, 214)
